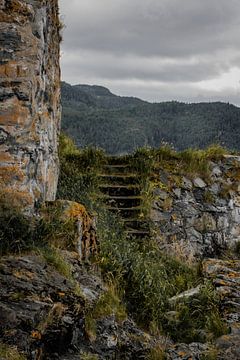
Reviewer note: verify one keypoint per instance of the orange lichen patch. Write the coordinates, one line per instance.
(16, 197)
(75, 210)
(85, 241)
(22, 71)
(36, 335)
(12, 70)
(234, 173)
(6, 157)
(174, 217)
(233, 274)
(23, 274)
(10, 174)
(182, 353)
(13, 113)
(19, 7)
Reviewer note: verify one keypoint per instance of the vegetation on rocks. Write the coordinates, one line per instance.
(10, 353)
(141, 280)
(147, 277)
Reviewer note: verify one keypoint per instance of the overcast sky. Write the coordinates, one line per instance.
(186, 50)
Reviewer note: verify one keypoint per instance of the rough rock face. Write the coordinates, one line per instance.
(44, 313)
(199, 217)
(225, 275)
(29, 99)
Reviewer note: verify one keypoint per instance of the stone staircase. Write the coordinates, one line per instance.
(122, 193)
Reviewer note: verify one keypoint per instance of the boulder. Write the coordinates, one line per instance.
(199, 183)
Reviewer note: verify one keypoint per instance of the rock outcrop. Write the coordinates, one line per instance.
(83, 238)
(199, 217)
(44, 313)
(29, 99)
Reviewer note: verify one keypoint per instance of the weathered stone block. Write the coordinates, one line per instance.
(29, 99)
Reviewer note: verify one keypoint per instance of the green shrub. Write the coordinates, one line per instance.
(194, 162)
(51, 229)
(197, 318)
(147, 276)
(16, 229)
(79, 169)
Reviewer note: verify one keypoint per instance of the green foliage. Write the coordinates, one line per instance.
(54, 257)
(147, 277)
(52, 229)
(194, 162)
(8, 352)
(94, 116)
(208, 197)
(157, 353)
(89, 356)
(109, 303)
(143, 161)
(79, 169)
(210, 354)
(197, 318)
(16, 230)
(90, 326)
(20, 233)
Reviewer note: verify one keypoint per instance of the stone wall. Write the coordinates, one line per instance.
(199, 217)
(29, 99)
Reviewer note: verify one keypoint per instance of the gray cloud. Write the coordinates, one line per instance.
(175, 43)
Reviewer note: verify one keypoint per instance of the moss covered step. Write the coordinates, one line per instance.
(120, 190)
(138, 233)
(124, 212)
(119, 179)
(136, 223)
(117, 169)
(122, 201)
(118, 160)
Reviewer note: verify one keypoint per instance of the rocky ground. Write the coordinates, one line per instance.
(45, 314)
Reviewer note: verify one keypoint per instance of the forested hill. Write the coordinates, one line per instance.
(92, 115)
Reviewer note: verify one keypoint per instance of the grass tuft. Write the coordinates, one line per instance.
(10, 353)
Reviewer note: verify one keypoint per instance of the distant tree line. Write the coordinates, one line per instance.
(92, 115)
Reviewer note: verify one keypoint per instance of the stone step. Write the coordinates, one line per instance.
(136, 223)
(117, 160)
(122, 201)
(117, 169)
(137, 233)
(119, 179)
(120, 190)
(127, 212)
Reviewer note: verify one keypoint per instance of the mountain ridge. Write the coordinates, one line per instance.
(93, 115)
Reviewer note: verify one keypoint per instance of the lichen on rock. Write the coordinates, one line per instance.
(29, 99)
